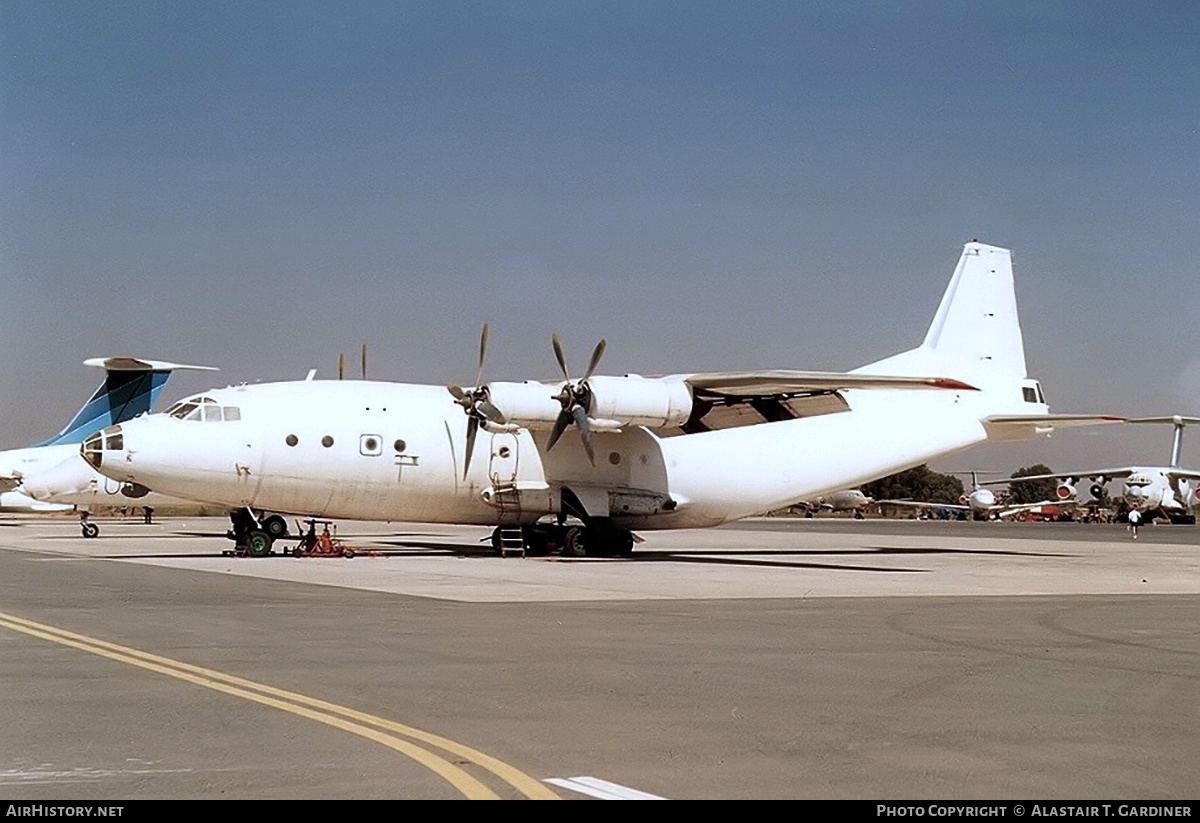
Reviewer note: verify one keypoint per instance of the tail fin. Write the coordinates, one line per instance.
(975, 335)
(130, 388)
(976, 322)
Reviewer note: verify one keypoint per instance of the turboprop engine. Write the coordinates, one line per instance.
(610, 402)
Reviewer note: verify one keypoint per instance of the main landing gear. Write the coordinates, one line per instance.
(253, 534)
(88, 528)
(597, 539)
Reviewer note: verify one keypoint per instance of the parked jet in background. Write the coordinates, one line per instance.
(681, 451)
(979, 504)
(1172, 491)
(846, 500)
(52, 471)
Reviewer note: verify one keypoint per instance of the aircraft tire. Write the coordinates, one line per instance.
(91, 530)
(575, 542)
(275, 526)
(258, 544)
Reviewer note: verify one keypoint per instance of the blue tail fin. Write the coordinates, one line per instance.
(131, 387)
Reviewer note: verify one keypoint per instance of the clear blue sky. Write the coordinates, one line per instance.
(263, 185)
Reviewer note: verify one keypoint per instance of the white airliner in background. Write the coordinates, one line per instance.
(50, 476)
(1172, 491)
(682, 451)
(979, 503)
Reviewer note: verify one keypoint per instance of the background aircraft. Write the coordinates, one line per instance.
(1170, 491)
(51, 476)
(980, 503)
(846, 500)
(681, 451)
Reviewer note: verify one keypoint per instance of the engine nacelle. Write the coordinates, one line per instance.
(613, 402)
(640, 401)
(1065, 491)
(527, 404)
(1098, 491)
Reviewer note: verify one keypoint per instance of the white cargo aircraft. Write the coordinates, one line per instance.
(680, 451)
(1172, 491)
(50, 476)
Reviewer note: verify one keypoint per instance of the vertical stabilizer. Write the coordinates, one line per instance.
(976, 323)
(131, 387)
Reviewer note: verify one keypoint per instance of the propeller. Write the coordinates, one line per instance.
(342, 363)
(575, 398)
(475, 402)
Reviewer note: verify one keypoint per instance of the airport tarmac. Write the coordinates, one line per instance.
(773, 658)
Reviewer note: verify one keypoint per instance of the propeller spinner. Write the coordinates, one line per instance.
(575, 398)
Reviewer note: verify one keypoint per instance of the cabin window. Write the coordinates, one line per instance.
(326, 441)
(370, 445)
(399, 445)
(291, 440)
(1030, 394)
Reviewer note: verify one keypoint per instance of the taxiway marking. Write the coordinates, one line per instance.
(603, 789)
(331, 714)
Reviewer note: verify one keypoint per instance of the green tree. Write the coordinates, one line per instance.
(919, 483)
(1032, 491)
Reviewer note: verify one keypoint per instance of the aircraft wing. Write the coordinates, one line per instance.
(726, 400)
(920, 504)
(1090, 474)
(1183, 474)
(773, 382)
(1024, 507)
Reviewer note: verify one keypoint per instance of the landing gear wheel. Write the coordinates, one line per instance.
(91, 530)
(622, 544)
(258, 544)
(575, 542)
(275, 526)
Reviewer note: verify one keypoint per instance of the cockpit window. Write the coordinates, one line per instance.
(204, 408)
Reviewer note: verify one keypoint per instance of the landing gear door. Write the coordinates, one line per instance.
(503, 467)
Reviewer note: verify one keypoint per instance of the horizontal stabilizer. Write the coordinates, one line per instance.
(1057, 421)
(136, 364)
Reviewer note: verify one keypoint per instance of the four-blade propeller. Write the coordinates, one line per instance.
(575, 398)
(475, 403)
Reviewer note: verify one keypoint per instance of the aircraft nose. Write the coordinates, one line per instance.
(93, 449)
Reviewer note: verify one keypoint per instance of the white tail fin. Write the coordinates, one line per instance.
(976, 322)
(975, 335)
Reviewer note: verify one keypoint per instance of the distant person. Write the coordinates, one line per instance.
(1135, 519)
(148, 514)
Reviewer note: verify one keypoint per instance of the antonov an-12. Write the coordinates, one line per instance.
(680, 451)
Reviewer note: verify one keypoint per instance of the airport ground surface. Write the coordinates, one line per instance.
(775, 658)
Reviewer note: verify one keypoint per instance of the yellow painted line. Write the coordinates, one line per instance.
(315, 709)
